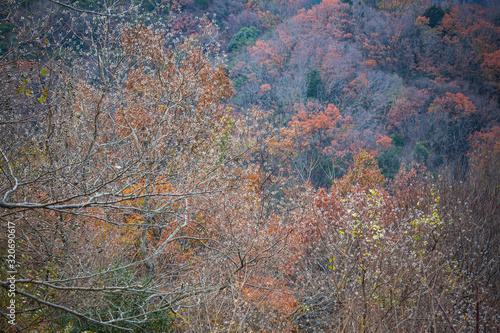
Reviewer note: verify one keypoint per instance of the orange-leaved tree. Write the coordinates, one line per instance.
(114, 155)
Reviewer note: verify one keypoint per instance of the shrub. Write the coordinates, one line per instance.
(435, 14)
(313, 84)
(242, 37)
(202, 3)
(421, 152)
(388, 161)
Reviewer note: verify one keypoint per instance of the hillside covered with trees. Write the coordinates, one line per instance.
(249, 166)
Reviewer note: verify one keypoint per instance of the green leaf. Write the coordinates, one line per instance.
(43, 72)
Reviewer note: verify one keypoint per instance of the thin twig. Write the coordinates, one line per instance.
(91, 11)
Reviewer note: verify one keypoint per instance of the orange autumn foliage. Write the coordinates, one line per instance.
(485, 158)
(491, 66)
(364, 173)
(455, 106)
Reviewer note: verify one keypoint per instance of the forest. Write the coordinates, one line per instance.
(249, 166)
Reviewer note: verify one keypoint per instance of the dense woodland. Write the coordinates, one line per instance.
(250, 165)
